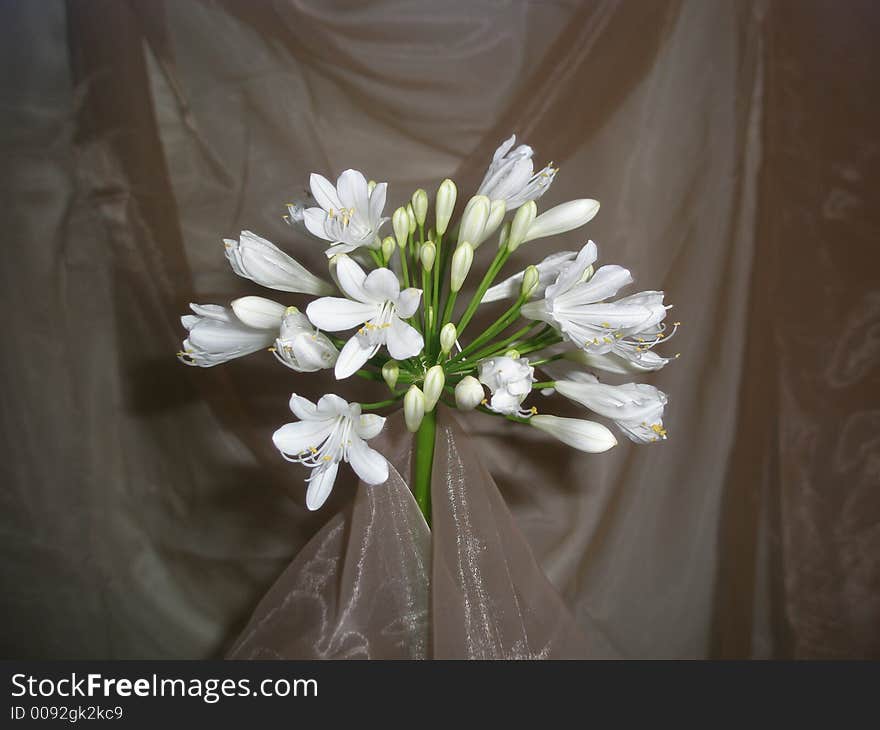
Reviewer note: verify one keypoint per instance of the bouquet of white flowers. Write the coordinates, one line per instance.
(397, 297)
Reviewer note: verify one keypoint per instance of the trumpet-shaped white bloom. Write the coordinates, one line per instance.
(216, 335)
(375, 302)
(575, 305)
(510, 381)
(261, 261)
(636, 408)
(327, 433)
(548, 270)
(301, 347)
(511, 176)
(611, 362)
(350, 214)
(580, 434)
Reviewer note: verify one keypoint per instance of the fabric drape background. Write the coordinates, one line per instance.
(734, 146)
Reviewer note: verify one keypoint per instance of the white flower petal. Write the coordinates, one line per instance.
(377, 204)
(296, 438)
(324, 192)
(369, 425)
(367, 463)
(334, 314)
(353, 193)
(321, 484)
(352, 358)
(314, 219)
(302, 408)
(408, 302)
(381, 285)
(402, 340)
(351, 278)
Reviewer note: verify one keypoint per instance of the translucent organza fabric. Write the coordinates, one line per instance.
(376, 583)
(733, 146)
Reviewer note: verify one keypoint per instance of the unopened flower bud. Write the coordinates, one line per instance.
(444, 204)
(428, 254)
(519, 228)
(413, 408)
(473, 220)
(461, 265)
(435, 379)
(400, 223)
(420, 205)
(563, 218)
(468, 393)
(411, 216)
(258, 312)
(390, 372)
(388, 247)
(531, 277)
(448, 335)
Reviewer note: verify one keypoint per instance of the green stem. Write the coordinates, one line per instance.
(544, 384)
(494, 268)
(379, 404)
(545, 360)
(423, 460)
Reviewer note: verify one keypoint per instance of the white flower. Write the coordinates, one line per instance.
(563, 218)
(510, 381)
(636, 408)
(583, 435)
(216, 335)
(255, 258)
(376, 302)
(511, 176)
(548, 270)
(628, 327)
(301, 347)
(327, 433)
(350, 215)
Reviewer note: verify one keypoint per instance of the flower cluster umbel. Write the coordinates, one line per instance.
(391, 314)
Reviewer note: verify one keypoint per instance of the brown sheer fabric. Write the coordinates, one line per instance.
(362, 587)
(146, 512)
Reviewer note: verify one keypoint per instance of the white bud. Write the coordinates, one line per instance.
(420, 206)
(435, 379)
(496, 214)
(444, 204)
(413, 408)
(259, 313)
(388, 247)
(391, 372)
(400, 223)
(461, 265)
(531, 278)
(469, 393)
(473, 220)
(428, 255)
(448, 336)
(578, 433)
(562, 218)
(411, 215)
(522, 221)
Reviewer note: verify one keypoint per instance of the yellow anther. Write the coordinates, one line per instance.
(313, 450)
(606, 325)
(328, 458)
(484, 402)
(676, 324)
(272, 349)
(533, 411)
(640, 339)
(607, 339)
(331, 213)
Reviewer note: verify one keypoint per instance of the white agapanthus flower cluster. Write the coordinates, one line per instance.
(391, 314)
